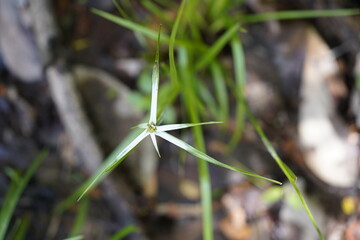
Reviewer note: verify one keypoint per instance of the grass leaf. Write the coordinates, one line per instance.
(297, 14)
(239, 67)
(120, 10)
(191, 103)
(14, 192)
(286, 170)
(214, 50)
(173, 72)
(220, 90)
(146, 31)
(80, 218)
(124, 232)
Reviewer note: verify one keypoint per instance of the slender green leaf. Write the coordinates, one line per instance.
(239, 67)
(289, 174)
(220, 90)
(173, 72)
(128, 24)
(146, 31)
(207, 99)
(14, 192)
(80, 218)
(207, 158)
(121, 11)
(167, 95)
(19, 229)
(170, 127)
(216, 8)
(214, 50)
(124, 232)
(286, 170)
(156, 11)
(191, 103)
(297, 14)
(167, 3)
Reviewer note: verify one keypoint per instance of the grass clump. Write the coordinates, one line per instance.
(197, 58)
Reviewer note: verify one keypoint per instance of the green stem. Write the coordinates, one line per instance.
(297, 14)
(203, 170)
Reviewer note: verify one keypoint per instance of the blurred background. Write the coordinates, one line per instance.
(73, 84)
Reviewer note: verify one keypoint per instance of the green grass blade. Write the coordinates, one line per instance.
(124, 232)
(173, 72)
(146, 31)
(286, 170)
(116, 161)
(156, 11)
(121, 11)
(80, 218)
(289, 174)
(216, 8)
(191, 103)
(19, 229)
(207, 99)
(239, 67)
(155, 84)
(14, 192)
(220, 90)
(207, 158)
(128, 24)
(297, 14)
(167, 95)
(214, 50)
(171, 127)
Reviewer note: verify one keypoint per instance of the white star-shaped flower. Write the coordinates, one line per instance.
(153, 130)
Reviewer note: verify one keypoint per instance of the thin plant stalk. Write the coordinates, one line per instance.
(203, 169)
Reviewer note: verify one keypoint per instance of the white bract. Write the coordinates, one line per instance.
(153, 130)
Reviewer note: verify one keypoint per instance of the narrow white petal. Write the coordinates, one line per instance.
(153, 139)
(207, 158)
(170, 127)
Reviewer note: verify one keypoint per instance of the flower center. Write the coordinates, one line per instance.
(151, 127)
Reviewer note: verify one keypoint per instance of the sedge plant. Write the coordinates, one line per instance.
(152, 129)
(196, 57)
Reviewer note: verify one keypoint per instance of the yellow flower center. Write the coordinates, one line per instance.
(151, 127)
